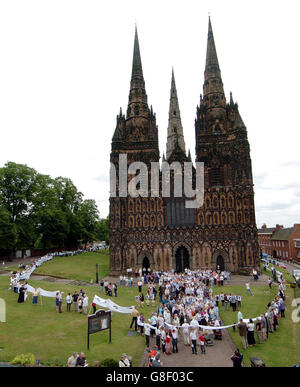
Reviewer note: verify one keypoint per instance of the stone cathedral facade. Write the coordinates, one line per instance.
(160, 233)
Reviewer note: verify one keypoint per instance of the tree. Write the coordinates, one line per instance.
(103, 230)
(89, 218)
(36, 210)
(8, 234)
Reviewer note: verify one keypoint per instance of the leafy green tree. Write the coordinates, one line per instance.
(8, 233)
(89, 218)
(17, 188)
(103, 230)
(38, 211)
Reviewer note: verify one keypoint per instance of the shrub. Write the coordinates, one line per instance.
(24, 359)
(54, 363)
(108, 363)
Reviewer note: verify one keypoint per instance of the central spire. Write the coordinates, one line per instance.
(175, 130)
(137, 104)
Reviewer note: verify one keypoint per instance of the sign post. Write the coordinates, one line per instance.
(99, 321)
(97, 281)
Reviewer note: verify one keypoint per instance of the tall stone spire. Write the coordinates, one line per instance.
(136, 133)
(213, 92)
(175, 130)
(137, 104)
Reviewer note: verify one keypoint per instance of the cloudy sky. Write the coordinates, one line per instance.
(65, 69)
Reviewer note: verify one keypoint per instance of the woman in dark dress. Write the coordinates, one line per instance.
(21, 294)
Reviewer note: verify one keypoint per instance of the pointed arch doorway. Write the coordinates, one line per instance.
(146, 264)
(182, 259)
(220, 263)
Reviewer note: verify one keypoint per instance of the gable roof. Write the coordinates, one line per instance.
(282, 234)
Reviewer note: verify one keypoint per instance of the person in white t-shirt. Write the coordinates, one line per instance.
(69, 302)
(193, 337)
(186, 333)
(85, 304)
(72, 360)
(147, 334)
(248, 290)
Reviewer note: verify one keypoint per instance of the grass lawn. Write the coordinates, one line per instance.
(286, 274)
(53, 337)
(79, 267)
(282, 347)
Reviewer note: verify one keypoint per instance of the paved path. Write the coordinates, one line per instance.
(217, 355)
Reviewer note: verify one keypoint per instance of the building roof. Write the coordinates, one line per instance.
(266, 230)
(282, 234)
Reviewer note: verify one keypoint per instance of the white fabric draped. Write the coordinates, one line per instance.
(109, 304)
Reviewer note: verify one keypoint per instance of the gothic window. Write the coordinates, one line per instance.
(152, 220)
(130, 206)
(138, 205)
(208, 218)
(224, 219)
(178, 214)
(136, 110)
(216, 219)
(215, 202)
(215, 176)
(175, 129)
(222, 202)
(152, 205)
(174, 112)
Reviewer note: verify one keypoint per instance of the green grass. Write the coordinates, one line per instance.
(286, 274)
(282, 347)
(79, 267)
(53, 337)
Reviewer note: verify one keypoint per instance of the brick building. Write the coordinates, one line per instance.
(280, 242)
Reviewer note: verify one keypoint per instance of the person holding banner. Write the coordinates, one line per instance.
(21, 297)
(134, 315)
(242, 327)
(168, 343)
(186, 333)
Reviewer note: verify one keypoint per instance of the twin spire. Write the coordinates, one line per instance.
(213, 92)
(137, 104)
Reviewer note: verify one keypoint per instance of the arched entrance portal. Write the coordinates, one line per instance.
(220, 263)
(182, 259)
(146, 264)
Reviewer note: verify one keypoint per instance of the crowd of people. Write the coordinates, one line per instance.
(266, 323)
(187, 307)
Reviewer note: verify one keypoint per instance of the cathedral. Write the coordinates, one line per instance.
(161, 234)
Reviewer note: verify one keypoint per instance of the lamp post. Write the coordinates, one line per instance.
(97, 281)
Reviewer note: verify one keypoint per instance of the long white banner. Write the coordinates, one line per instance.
(109, 304)
(42, 292)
